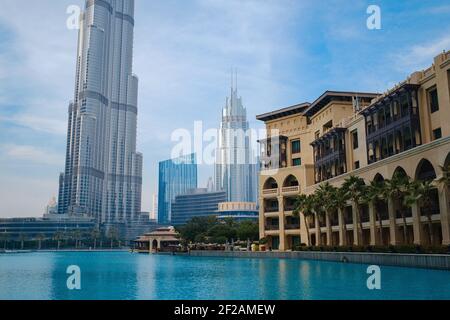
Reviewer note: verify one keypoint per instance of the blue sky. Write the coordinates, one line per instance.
(285, 52)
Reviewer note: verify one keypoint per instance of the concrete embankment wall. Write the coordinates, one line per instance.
(389, 259)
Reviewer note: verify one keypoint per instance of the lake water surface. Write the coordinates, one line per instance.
(123, 275)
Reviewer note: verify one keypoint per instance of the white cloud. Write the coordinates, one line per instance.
(32, 155)
(40, 124)
(25, 196)
(420, 56)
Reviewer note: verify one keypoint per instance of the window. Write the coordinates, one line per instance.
(295, 146)
(297, 162)
(433, 99)
(355, 139)
(437, 133)
(356, 165)
(317, 135)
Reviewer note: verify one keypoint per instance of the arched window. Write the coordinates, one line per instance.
(425, 171)
(270, 183)
(400, 172)
(378, 178)
(290, 181)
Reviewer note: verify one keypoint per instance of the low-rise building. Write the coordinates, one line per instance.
(164, 239)
(238, 211)
(196, 203)
(374, 136)
(46, 228)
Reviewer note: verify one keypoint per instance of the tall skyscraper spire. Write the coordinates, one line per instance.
(235, 170)
(103, 171)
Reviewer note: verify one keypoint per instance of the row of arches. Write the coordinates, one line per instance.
(290, 181)
(425, 171)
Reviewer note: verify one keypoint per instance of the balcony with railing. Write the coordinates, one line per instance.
(330, 155)
(270, 187)
(393, 123)
(294, 189)
(268, 192)
(273, 152)
(272, 227)
(289, 204)
(292, 223)
(272, 224)
(271, 206)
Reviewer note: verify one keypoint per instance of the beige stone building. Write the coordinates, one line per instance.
(370, 135)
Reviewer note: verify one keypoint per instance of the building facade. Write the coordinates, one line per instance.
(196, 203)
(373, 136)
(154, 211)
(45, 228)
(103, 171)
(236, 168)
(176, 176)
(238, 211)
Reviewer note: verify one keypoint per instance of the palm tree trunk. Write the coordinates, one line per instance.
(430, 229)
(59, 244)
(95, 243)
(22, 244)
(360, 225)
(40, 244)
(405, 232)
(345, 231)
(307, 231)
(380, 226)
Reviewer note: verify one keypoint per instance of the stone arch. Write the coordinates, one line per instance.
(425, 171)
(400, 171)
(290, 181)
(447, 161)
(270, 183)
(155, 245)
(378, 178)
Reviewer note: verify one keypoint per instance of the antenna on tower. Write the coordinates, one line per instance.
(236, 79)
(231, 78)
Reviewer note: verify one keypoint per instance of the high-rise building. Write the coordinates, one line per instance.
(103, 171)
(235, 169)
(154, 212)
(196, 203)
(176, 176)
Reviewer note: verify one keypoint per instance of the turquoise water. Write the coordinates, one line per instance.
(122, 275)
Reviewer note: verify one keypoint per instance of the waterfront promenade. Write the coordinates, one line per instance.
(429, 261)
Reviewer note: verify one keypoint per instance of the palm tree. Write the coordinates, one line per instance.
(355, 189)
(372, 196)
(445, 179)
(58, 237)
(339, 200)
(420, 193)
(4, 237)
(112, 235)
(303, 204)
(22, 239)
(396, 189)
(95, 233)
(324, 197)
(40, 237)
(77, 237)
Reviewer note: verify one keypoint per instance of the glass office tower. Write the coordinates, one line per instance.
(196, 203)
(176, 176)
